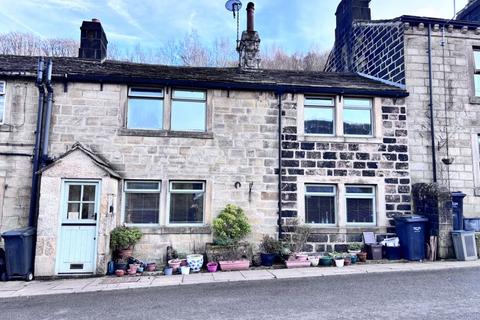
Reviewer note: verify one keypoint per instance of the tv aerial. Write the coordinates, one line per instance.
(234, 6)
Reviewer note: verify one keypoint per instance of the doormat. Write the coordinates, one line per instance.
(119, 280)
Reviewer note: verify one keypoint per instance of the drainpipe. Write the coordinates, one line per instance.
(280, 235)
(430, 86)
(32, 217)
(48, 114)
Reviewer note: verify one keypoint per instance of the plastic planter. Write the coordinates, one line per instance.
(267, 259)
(326, 261)
(168, 271)
(212, 266)
(185, 270)
(195, 262)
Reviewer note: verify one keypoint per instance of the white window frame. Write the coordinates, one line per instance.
(476, 72)
(203, 100)
(180, 191)
(128, 190)
(332, 107)
(4, 95)
(354, 107)
(372, 196)
(139, 95)
(322, 194)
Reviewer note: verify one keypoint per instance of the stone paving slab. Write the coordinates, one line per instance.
(13, 289)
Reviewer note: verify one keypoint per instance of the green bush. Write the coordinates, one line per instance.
(230, 226)
(270, 245)
(124, 237)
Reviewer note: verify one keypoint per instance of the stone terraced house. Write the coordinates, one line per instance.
(166, 148)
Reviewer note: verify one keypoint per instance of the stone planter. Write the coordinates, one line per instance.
(234, 265)
(195, 262)
(297, 264)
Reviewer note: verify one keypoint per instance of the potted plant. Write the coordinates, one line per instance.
(212, 266)
(354, 248)
(339, 259)
(269, 249)
(123, 239)
(175, 264)
(326, 260)
(229, 228)
(297, 242)
(362, 256)
(119, 272)
(185, 270)
(151, 266)
(168, 271)
(195, 262)
(347, 259)
(121, 264)
(314, 260)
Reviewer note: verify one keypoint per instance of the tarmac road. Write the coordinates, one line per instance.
(447, 294)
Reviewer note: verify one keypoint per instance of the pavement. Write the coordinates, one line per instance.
(13, 289)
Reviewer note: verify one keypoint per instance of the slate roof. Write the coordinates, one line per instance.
(75, 69)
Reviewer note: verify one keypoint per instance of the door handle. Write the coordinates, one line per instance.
(95, 216)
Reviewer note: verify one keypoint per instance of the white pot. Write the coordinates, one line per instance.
(185, 270)
(195, 262)
(340, 263)
(314, 260)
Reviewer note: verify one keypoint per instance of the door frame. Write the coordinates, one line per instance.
(63, 203)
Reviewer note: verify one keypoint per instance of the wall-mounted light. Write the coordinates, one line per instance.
(111, 203)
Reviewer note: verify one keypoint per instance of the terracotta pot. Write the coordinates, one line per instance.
(126, 252)
(175, 264)
(133, 269)
(362, 257)
(119, 273)
(151, 266)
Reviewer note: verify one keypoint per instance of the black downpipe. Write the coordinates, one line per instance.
(48, 114)
(32, 217)
(430, 86)
(280, 169)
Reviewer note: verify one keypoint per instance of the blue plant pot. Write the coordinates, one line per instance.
(267, 259)
(168, 271)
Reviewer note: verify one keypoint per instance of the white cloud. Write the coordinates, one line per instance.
(121, 9)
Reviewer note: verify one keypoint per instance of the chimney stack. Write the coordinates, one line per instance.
(93, 41)
(249, 46)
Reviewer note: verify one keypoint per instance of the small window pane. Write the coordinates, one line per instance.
(186, 207)
(2, 107)
(2, 86)
(88, 211)
(320, 189)
(188, 116)
(190, 95)
(320, 209)
(327, 102)
(476, 55)
(187, 186)
(145, 114)
(318, 120)
(139, 185)
(73, 211)
(359, 210)
(364, 190)
(142, 208)
(357, 122)
(357, 102)
(477, 85)
(88, 193)
(143, 92)
(74, 192)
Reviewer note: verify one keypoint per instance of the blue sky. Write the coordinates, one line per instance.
(295, 25)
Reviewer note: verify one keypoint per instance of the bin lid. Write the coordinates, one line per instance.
(463, 232)
(21, 232)
(411, 218)
(458, 194)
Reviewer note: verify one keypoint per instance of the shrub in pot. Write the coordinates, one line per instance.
(269, 249)
(354, 248)
(123, 239)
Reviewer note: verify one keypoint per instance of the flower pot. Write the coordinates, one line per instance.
(347, 261)
(212, 266)
(339, 262)
(267, 259)
(152, 266)
(140, 270)
(234, 265)
(314, 260)
(297, 264)
(133, 269)
(185, 270)
(175, 264)
(183, 263)
(362, 257)
(354, 259)
(326, 261)
(119, 272)
(195, 262)
(168, 271)
(121, 266)
(126, 253)
(301, 257)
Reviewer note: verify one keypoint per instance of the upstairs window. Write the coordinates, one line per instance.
(3, 88)
(145, 109)
(186, 202)
(189, 110)
(142, 202)
(360, 204)
(357, 117)
(319, 116)
(476, 55)
(320, 204)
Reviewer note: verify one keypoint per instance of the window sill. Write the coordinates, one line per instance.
(5, 127)
(176, 230)
(475, 100)
(345, 230)
(345, 139)
(165, 133)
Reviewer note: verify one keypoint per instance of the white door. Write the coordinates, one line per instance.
(78, 231)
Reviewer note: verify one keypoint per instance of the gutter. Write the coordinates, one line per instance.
(280, 168)
(430, 86)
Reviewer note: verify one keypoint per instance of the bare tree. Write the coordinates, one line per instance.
(27, 44)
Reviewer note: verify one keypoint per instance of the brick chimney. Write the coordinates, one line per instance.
(349, 11)
(93, 41)
(249, 46)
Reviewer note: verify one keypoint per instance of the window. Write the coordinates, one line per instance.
(320, 204)
(189, 110)
(476, 56)
(357, 117)
(81, 201)
(360, 204)
(319, 116)
(142, 202)
(3, 88)
(145, 109)
(186, 202)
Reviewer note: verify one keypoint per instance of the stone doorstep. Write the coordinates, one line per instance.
(35, 288)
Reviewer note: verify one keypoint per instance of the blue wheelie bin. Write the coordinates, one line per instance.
(457, 209)
(19, 253)
(411, 233)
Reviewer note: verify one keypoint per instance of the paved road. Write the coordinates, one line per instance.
(448, 294)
